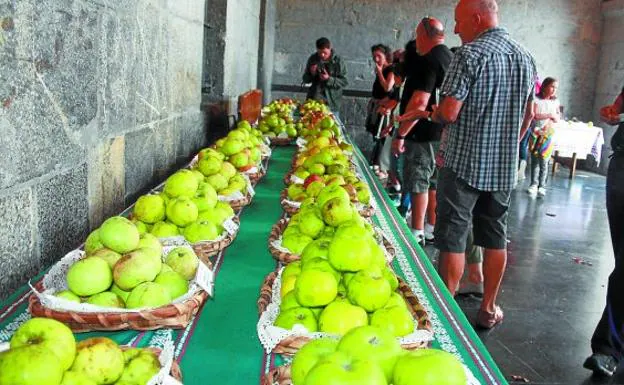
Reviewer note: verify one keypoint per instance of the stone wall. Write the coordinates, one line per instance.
(564, 36)
(611, 68)
(99, 101)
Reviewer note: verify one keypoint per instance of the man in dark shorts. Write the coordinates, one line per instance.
(486, 105)
(608, 340)
(420, 139)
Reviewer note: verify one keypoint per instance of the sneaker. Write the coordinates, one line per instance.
(541, 192)
(522, 170)
(601, 364)
(420, 237)
(532, 189)
(429, 237)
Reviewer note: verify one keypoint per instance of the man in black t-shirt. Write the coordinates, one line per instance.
(420, 139)
(607, 343)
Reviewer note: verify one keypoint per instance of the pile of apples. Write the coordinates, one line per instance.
(311, 105)
(188, 205)
(371, 356)
(277, 119)
(241, 147)
(123, 269)
(342, 275)
(44, 352)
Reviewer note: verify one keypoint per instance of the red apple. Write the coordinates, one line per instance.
(312, 178)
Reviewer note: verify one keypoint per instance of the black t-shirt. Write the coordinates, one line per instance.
(378, 90)
(617, 141)
(429, 80)
(412, 66)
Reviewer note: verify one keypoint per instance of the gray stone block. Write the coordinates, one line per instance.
(62, 214)
(139, 157)
(18, 258)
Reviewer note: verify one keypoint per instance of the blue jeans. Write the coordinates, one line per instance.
(524, 146)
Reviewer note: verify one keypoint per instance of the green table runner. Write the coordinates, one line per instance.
(221, 346)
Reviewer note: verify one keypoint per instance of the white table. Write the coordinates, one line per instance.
(576, 140)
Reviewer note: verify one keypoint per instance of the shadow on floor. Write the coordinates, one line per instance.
(553, 293)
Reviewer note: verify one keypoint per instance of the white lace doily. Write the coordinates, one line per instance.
(56, 280)
(235, 196)
(270, 335)
(265, 150)
(291, 203)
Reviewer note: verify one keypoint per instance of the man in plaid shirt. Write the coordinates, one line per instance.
(486, 104)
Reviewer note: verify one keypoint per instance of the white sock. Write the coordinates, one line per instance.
(418, 234)
(429, 228)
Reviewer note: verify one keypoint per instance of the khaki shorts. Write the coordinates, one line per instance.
(419, 170)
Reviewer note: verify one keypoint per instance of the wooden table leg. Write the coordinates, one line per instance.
(573, 166)
(554, 166)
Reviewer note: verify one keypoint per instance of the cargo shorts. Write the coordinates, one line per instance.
(419, 168)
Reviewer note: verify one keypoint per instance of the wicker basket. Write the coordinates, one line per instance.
(173, 316)
(291, 345)
(287, 257)
(279, 375)
(366, 212)
(275, 141)
(206, 249)
(240, 203)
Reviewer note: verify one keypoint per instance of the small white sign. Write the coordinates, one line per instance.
(250, 188)
(296, 180)
(301, 142)
(205, 277)
(230, 226)
(283, 135)
(237, 195)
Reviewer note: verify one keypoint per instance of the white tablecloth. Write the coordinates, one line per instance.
(578, 137)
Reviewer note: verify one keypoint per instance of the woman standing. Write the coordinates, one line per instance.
(384, 83)
(546, 112)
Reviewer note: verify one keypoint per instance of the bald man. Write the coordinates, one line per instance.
(486, 105)
(420, 139)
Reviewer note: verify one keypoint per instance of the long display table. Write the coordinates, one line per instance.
(220, 345)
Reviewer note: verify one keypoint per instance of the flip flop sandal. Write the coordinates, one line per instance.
(487, 320)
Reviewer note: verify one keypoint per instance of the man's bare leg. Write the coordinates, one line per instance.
(451, 266)
(494, 264)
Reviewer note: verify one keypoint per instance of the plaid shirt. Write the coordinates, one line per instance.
(494, 77)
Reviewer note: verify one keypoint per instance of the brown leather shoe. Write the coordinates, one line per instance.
(487, 320)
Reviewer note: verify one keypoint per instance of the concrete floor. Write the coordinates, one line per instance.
(553, 292)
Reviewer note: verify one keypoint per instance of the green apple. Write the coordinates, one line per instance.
(175, 284)
(287, 319)
(89, 276)
(165, 230)
(123, 294)
(396, 319)
(141, 226)
(198, 175)
(183, 261)
(150, 208)
(201, 231)
(240, 160)
(227, 170)
(288, 285)
(30, 365)
(76, 378)
(289, 301)
(111, 257)
(363, 193)
(391, 278)
(148, 294)
(314, 188)
(106, 299)
(151, 241)
(338, 368)
(295, 241)
(369, 289)
(332, 191)
(396, 300)
(119, 234)
(93, 242)
(217, 181)
(315, 288)
(209, 165)
(311, 224)
(181, 183)
(321, 265)
(372, 344)
(340, 316)
(428, 367)
(50, 334)
(346, 278)
(140, 369)
(100, 359)
(292, 269)
(206, 197)
(378, 257)
(232, 146)
(318, 248)
(210, 152)
(68, 295)
(308, 356)
(349, 249)
(337, 211)
(136, 267)
(317, 169)
(182, 211)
